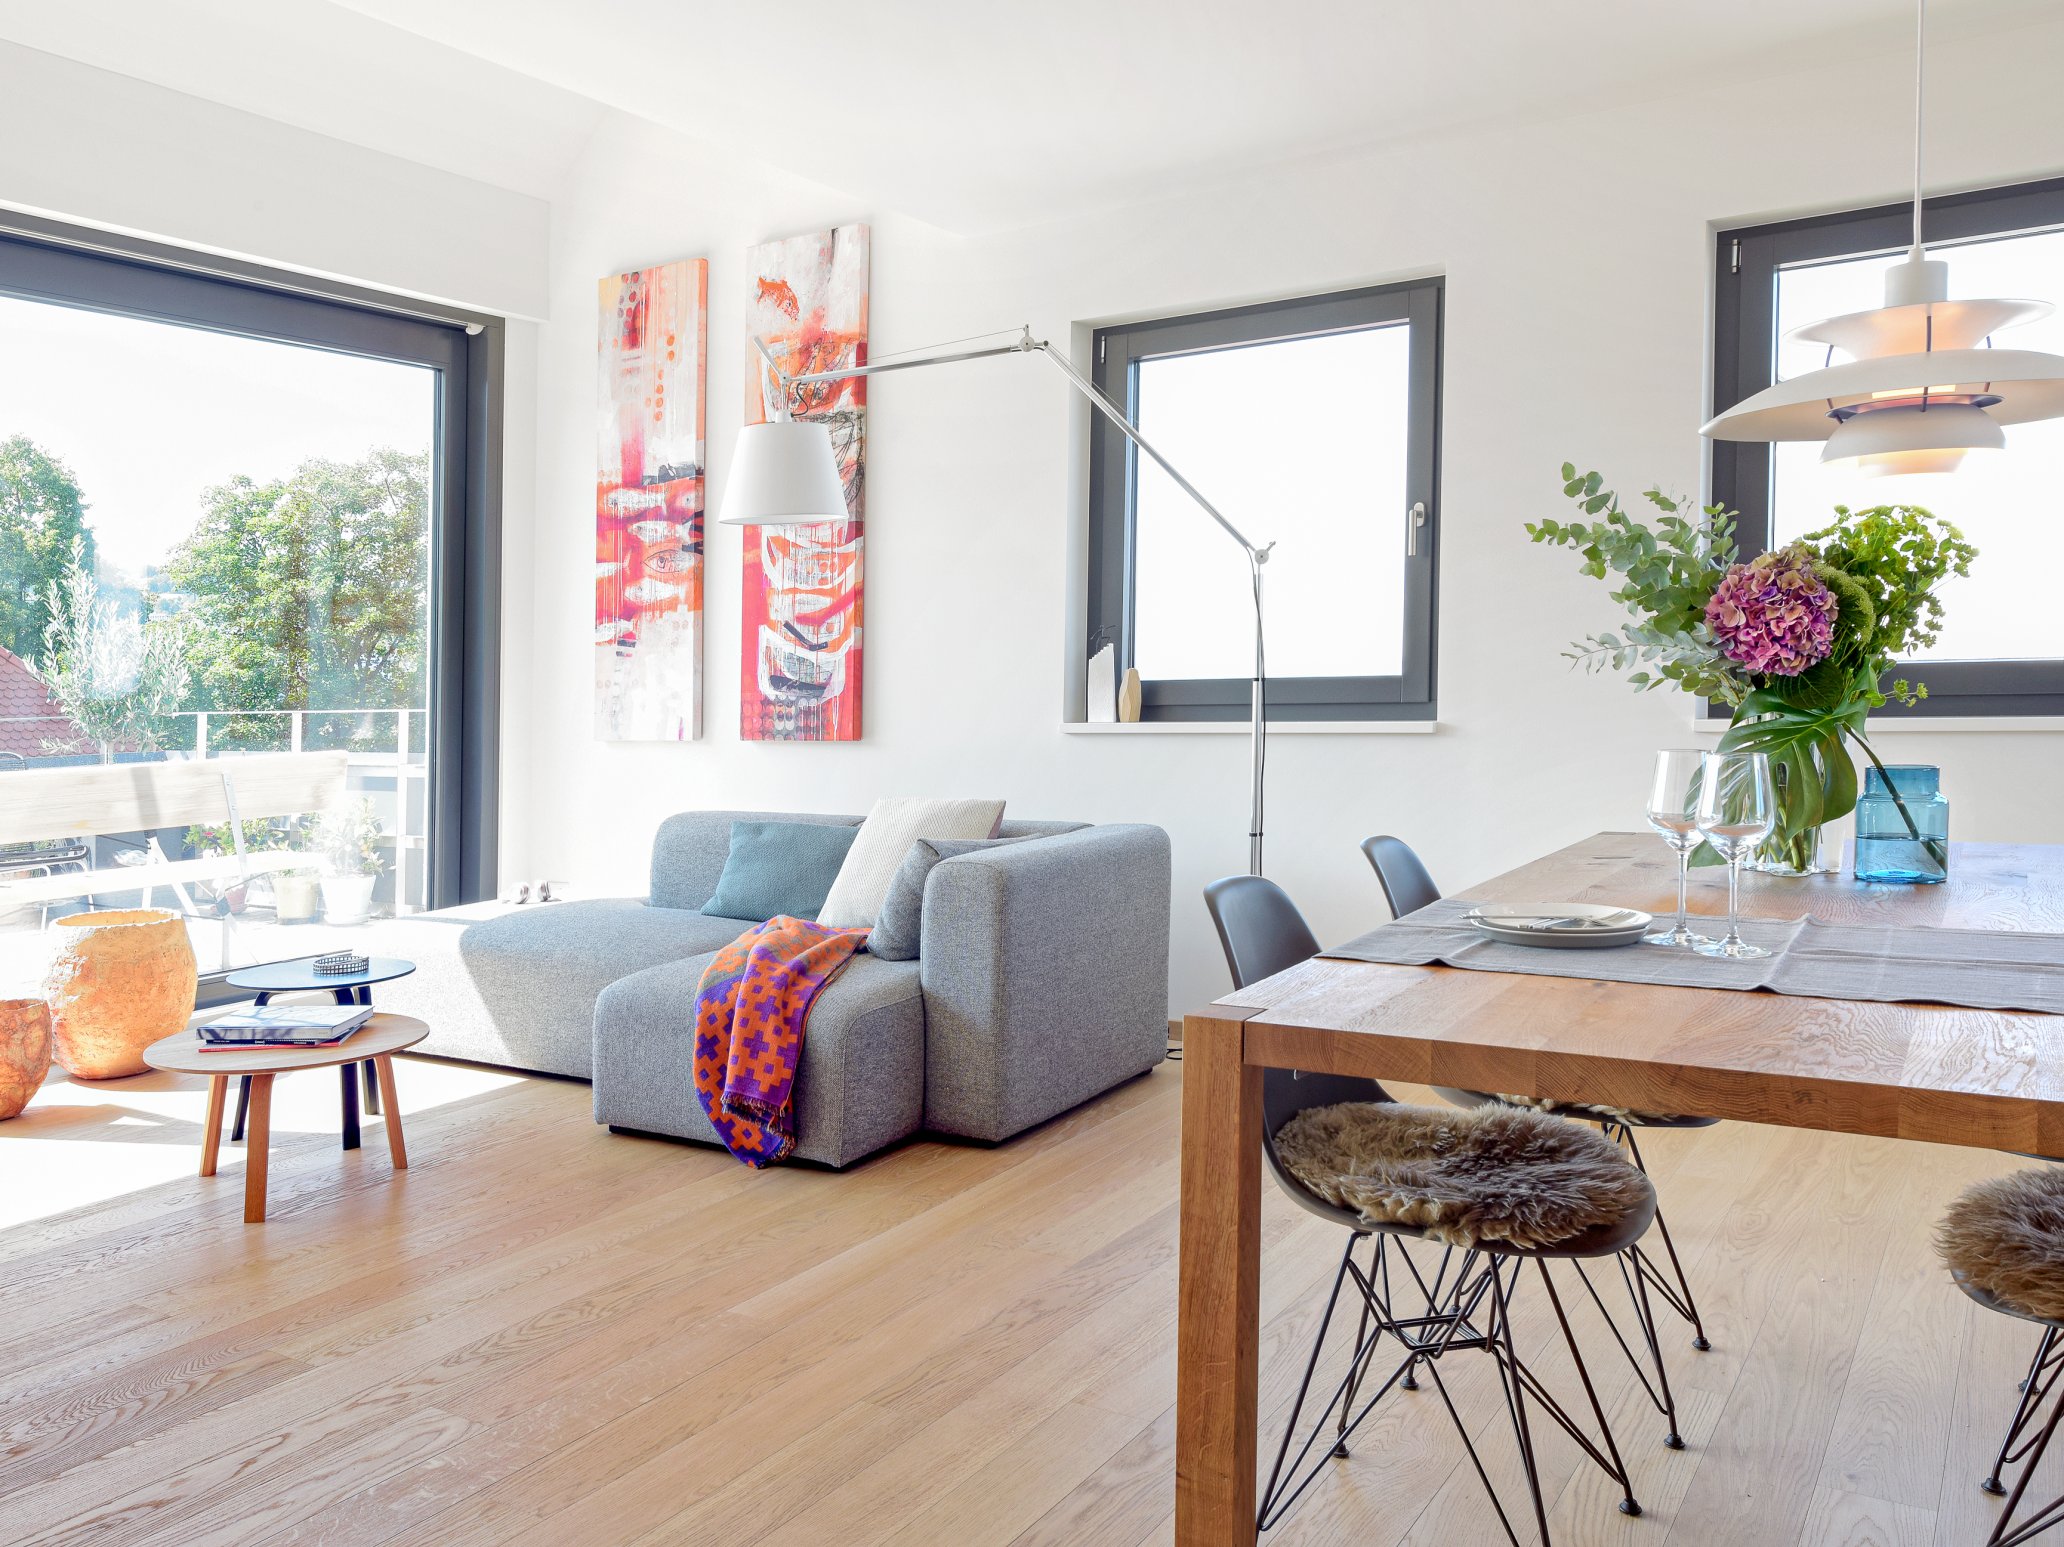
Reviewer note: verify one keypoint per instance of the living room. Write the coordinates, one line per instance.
(1011, 1252)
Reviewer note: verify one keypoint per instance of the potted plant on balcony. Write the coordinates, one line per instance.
(351, 840)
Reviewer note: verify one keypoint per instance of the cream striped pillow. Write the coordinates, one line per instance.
(885, 837)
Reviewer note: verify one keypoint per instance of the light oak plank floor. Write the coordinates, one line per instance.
(543, 1333)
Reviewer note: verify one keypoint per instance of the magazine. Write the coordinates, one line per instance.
(282, 1025)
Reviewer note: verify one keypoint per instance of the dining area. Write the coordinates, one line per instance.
(1509, 1265)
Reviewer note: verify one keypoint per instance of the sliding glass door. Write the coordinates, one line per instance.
(239, 527)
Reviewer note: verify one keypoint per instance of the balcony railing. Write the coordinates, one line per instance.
(386, 759)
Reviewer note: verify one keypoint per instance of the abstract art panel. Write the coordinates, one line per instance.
(648, 504)
(800, 665)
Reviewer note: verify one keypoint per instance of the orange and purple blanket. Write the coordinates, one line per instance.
(750, 1011)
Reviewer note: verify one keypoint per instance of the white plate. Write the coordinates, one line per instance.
(1569, 925)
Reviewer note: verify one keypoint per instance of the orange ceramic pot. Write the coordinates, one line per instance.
(120, 981)
(24, 1052)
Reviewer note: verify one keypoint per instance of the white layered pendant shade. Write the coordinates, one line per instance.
(1922, 385)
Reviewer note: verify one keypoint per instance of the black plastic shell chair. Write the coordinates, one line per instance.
(1263, 933)
(1408, 886)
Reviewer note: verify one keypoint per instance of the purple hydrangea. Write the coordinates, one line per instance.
(1773, 615)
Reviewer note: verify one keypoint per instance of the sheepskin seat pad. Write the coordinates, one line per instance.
(2006, 1237)
(1489, 1175)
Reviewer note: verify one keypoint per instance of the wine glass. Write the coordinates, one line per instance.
(1737, 807)
(1673, 813)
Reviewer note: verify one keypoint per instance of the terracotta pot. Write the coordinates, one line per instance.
(24, 1052)
(120, 981)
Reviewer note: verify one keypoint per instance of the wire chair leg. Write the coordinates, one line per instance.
(1354, 1376)
(1629, 1505)
(1515, 1396)
(1678, 1296)
(2006, 1533)
(1304, 1385)
(2034, 1387)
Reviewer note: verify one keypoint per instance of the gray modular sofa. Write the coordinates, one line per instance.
(1041, 980)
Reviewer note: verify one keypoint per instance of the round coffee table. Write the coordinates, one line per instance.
(372, 1043)
(298, 976)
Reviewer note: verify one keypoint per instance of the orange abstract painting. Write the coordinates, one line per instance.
(801, 612)
(648, 503)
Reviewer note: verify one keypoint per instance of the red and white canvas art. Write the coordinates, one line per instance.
(801, 606)
(649, 503)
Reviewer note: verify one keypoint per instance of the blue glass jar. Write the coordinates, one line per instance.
(1887, 847)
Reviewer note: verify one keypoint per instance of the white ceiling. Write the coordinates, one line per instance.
(972, 116)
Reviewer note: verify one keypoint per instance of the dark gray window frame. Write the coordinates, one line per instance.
(91, 270)
(1747, 261)
(1410, 695)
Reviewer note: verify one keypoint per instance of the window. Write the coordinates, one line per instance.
(269, 518)
(2002, 645)
(1312, 424)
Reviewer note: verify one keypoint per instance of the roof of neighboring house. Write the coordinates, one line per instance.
(29, 717)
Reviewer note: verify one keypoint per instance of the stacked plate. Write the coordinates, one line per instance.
(1569, 925)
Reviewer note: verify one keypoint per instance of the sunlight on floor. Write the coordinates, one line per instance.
(83, 1142)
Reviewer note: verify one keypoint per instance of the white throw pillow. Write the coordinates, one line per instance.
(885, 837)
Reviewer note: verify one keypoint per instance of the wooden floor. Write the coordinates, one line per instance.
(544, 1333)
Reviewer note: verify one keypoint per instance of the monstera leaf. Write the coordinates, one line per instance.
(1801, 730)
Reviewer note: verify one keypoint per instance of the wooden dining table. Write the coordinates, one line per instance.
(1983, 1078)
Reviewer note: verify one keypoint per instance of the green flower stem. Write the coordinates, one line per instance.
(1938, 849)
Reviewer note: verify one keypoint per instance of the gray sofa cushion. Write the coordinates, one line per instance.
(519, 989)
(779, 868)
(689, 850)
(894, 936)
(860, 1084)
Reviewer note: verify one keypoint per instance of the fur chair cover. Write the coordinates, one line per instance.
(2006, 1236)
(1482, 1175)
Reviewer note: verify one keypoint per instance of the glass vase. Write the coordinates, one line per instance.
(1902, 826)
(1792, 854)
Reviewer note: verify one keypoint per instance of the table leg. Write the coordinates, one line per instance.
(257, 1148)
(243, 1106)
(372, 1088)
(350, 1074)
(211, 1141)
(390, 1108)
(1219, 1301)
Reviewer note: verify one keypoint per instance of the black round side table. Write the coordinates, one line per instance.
(299, 976)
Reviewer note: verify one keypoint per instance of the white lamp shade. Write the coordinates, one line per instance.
(1899, 330)
(783, 474)
(2028, 383)
(1914, 440)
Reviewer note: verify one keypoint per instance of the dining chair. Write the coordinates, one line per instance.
(1408, 886)
(1463, 1302)
(1999, 1240)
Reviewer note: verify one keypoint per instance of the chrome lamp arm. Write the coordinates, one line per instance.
(1257, 556)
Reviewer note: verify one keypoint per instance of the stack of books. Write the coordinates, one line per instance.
(283, 1025)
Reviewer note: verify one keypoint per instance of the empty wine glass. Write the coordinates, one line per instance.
(1673, 813)
(1737, 807)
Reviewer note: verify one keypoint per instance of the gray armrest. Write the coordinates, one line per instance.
(1045, 975)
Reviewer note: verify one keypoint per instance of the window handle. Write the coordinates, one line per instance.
(1415, 519)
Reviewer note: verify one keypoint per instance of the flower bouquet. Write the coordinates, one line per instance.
(1797, 641)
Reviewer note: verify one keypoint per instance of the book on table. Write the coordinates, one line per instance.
(282, 1025)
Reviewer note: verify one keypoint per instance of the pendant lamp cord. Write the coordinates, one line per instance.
(1920, 100)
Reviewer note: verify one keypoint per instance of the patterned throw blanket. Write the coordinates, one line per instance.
(750, 1011)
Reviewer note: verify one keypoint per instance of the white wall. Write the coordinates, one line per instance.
(103, 149)
(1577, 257)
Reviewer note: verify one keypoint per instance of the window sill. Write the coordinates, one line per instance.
(1947, 724)
(1241, 728)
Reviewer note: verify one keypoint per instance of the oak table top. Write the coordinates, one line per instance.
(1982, 1078)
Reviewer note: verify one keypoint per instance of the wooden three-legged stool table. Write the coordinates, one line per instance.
(373, 1042)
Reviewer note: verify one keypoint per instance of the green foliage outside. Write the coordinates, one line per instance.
(42, 516)
(308, 592)
(115, 678)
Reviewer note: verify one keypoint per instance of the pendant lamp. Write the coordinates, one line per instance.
(1922, 385)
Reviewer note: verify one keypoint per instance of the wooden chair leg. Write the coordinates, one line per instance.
(390, 1109)
(211, 1139)
(257, 1147)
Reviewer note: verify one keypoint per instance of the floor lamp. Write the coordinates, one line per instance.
(784, 473)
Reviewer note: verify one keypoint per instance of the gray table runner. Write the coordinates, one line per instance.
(1982, 969)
